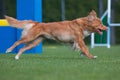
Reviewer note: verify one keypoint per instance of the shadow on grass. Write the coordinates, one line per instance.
(60, 58)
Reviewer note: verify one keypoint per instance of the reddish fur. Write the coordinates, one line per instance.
(66, 31)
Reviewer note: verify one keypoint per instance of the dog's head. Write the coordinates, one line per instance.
(94, 24)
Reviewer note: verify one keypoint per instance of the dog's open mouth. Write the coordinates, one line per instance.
(99, 31)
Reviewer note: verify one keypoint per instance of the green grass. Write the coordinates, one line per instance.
(61, 63)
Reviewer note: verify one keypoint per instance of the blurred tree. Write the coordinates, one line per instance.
(101, 7)
(2, 9)
(11, 8)
(74, 9)
(51, 10)
(117, 20)
(112, 29)
(79, 8)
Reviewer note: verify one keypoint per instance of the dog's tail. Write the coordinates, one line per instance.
(16, 23)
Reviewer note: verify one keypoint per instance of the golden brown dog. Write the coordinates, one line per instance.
(72, 32)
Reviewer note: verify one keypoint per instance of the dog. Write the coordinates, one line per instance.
(72, 32)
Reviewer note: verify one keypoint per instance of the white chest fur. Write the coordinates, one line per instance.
(86, 33)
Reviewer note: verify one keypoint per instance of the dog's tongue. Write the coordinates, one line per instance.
(100, 32)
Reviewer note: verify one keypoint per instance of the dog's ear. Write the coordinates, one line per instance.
(92, 15)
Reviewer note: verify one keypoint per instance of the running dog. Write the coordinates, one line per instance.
(72, 32)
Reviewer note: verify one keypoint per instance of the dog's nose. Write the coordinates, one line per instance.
(106, 28)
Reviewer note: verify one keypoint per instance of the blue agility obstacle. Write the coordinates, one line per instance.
(26, 10)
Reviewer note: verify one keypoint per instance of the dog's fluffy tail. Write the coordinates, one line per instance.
(16, 23)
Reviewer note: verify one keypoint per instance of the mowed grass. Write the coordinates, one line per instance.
(62, 63)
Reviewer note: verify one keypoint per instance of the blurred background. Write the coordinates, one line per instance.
(58, 62)
(58, 10)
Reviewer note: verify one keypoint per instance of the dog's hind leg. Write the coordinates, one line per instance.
(22, 40)
(29, 46)
(15, 44)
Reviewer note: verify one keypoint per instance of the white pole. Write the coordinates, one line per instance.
(109, 12)
(92, 40)
(109, 22)
(108, 37)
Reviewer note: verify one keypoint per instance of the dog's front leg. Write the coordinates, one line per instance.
(84, 49)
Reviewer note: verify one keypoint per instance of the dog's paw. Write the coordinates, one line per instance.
(95, 57)
(16, 57)
(81, 55)
(8, 51)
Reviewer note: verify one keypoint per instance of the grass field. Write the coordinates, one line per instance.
(61, 63)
